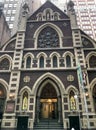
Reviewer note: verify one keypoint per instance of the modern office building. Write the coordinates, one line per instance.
(85, 12)
(12, 10)
(86, 16)
(48, 73)
(5, 32)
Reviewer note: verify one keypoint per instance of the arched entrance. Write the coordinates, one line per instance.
(2, 101)
(94, 97)
(48, 101)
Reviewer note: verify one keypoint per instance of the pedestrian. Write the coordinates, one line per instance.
(72, 129)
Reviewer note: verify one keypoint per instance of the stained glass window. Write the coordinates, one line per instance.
(54, 61)
(48, 38)
(2, 98)
(92, 61)
(41, 62)
(68, 61)
(25, 101)
(72, 101)
(28, 62)
(4, 64)
(94, 96)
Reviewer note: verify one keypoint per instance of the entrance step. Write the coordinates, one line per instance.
(48, 125)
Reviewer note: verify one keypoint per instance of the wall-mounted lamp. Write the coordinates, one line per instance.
(11, 96)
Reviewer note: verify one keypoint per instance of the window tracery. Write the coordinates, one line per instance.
(94, 97)
(41, 62)
(72, 101)
(54, 61)
(68, 61)
(4, 64)
(28, 62)
(92, 61)
(25, 101)
(48, 38)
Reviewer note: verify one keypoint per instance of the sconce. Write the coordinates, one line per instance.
(11, 96)
(86, 92)
(1, 93)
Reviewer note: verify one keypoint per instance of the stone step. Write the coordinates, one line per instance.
(48, 125)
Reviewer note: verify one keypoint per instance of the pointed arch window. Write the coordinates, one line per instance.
(4, 64)
(41, 62)
(25, 101)
(48, 38)
(55, 16)
(28, 62)
(54, 61)
(48, 16)
(2, 98)
(94, 97)
(92, 62)
(68, 61)
(72, 101)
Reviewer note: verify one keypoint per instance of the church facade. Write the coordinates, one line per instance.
(48, 72)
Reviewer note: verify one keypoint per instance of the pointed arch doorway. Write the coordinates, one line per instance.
(2, 101)
(48, 101)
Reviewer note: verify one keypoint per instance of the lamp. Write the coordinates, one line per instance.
(11, 96)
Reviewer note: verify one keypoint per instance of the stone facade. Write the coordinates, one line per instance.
(4, 29)
(47, 71)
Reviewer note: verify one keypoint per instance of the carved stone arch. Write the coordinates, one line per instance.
(68, 53)
(25, 59)
(52, 56)
(5, 85)
(28, 54)
(72, 91)
(44, 84)
(48, 91)
(9, 42)
(25, 88)
(39, 56)
(47, 9)
(56, 15)
(3, 96)
(71, 87)
(57, 29)
(5, 56)
(71, 56)
(93, 93)
(51, 76)
(93, 53)
(88, 42)
(40, 16)
(54, 53)
(24, 98)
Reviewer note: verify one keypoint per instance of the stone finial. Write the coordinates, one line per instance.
(25, 9)
(70, 6)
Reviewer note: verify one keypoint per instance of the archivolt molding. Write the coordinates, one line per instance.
(25, 88)
(73, 88)
(8, 43)
(89, 40)
(5, 84)
(51, 82)
(7, 57)
(60, 34)
(92, 53)
(54, 54)
(68, 53)
(51, 76)
(28, 54)
(93, 82)
(41, 54)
